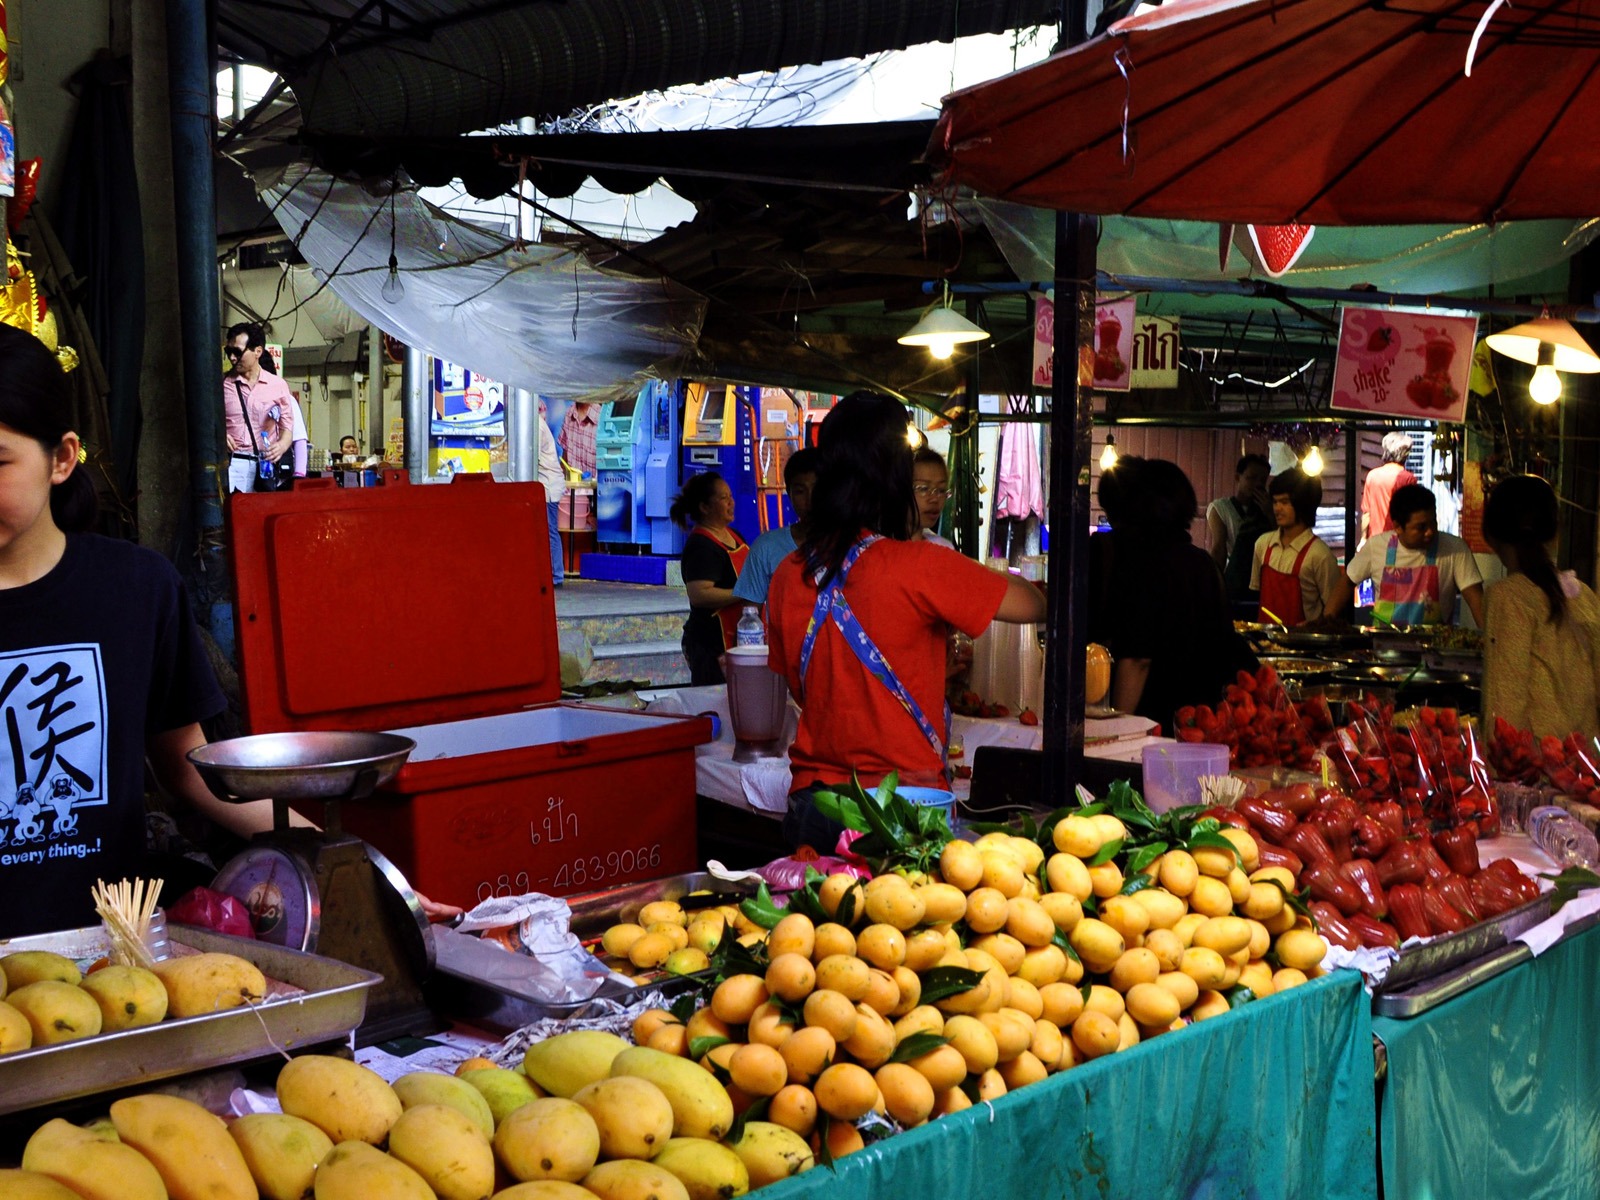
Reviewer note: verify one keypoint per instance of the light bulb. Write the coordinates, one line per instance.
(393, 290)
(1545, 386)
(1312, 463)
(942, 347)
(1108, 456)
(914, 436)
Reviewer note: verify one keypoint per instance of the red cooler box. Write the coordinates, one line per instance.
(429, 611)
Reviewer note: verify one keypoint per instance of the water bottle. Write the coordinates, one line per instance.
(751, 632)
(1563, 837)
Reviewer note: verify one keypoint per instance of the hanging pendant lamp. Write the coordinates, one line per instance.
(941, 329)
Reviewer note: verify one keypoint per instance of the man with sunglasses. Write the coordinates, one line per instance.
(260, 413)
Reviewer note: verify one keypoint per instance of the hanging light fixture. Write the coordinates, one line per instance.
(1551, 345)
(1109, 456)
(1312, 463)
(393, 289)
(941, 329)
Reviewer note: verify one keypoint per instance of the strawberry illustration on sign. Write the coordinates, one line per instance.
(1273, 249)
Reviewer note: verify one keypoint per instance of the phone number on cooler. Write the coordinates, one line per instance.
(585, 869)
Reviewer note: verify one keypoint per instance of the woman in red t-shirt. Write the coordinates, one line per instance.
(858, 618)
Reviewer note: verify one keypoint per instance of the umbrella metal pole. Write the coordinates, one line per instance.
(1352, 521)
(414, 389)
(1071, 421)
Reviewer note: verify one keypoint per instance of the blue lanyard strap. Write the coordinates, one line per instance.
(832, 605)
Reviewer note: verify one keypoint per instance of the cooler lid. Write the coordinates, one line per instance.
(405, 604)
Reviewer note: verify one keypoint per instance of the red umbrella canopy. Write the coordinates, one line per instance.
(1326, 112)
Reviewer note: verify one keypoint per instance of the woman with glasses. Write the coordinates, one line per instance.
(858, 618)
(713, 556)
(930, 484)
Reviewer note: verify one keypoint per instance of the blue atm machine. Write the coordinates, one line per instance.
(718, 435)
(619, 460)
(662, 472)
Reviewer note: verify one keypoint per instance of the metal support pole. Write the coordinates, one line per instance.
(369, 428)
(965, 485)
(1352, 522)
(414, 395)
(522, 441)
(1071, 421)
(191, 74)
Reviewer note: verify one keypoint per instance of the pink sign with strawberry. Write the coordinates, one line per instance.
(1403, 364)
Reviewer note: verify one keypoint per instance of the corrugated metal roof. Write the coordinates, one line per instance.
(440, 67)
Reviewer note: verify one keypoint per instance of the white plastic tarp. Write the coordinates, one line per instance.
(531, 315)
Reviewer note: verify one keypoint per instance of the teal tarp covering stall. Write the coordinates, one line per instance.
(1271, 1100)
(1497, 1092)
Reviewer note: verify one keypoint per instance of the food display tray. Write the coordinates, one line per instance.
(1420, 995)
(458, 988)
(1449, 956)
(329, 1000)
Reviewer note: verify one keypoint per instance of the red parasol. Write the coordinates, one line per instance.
(1329, 112)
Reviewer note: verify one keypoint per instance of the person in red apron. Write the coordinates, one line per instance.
(713, 556)
(1295, 571)
(857, 619)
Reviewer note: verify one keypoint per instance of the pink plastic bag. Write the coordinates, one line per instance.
(212, 910)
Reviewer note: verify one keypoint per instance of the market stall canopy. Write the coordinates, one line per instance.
(531, 315)
(437, 68)
(883, 156)
(1326, 112)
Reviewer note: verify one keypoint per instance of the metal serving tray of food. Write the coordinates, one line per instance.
(1447, 955)
(326, 999)
(472, 984)
(1419, 997)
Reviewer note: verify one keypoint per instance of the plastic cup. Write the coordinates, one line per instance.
(1173, 770)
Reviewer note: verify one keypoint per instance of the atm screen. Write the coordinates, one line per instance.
(711, 407)
(623, 409)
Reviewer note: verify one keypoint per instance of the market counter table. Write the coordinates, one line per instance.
(1271, 1100)
(1495, 1092)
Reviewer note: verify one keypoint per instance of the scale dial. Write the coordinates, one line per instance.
(280, 890)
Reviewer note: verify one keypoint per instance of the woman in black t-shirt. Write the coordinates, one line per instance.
(712, 558)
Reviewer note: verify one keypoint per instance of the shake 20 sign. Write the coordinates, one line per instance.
(1403, 364)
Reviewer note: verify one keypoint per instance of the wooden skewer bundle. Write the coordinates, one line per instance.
(126, 910)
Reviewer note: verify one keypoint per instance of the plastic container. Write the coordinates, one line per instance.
(758, 703)
(1172, 772)
(928, 798)
(1563, 837)
(751, 632)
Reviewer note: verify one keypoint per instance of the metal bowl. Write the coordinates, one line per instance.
(301, 766)
(1308, 639)
(1290, 666)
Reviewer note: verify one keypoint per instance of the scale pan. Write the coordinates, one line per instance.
(301, 766)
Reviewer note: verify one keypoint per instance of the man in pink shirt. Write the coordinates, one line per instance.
(260, 413)
(1382, 482)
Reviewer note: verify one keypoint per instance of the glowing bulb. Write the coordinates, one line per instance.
(1545, 386)
(1312, 463)
(942, 347)
(1108, 456)
(914, 436)
(393, 290)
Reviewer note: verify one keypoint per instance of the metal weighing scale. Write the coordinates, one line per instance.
(324, 891)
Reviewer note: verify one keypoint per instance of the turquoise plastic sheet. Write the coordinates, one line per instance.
(1497, 1092)
(1271, 1100)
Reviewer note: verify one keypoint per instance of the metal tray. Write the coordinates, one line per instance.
(457, 987)
(1427, 994)
(1446, 955)
(331, 1002)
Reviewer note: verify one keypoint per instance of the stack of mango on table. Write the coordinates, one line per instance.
(45, 999)
(928, 991)
(587, 1115)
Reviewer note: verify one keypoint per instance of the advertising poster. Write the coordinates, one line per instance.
(1113, 344)
(1155, 352)
(1403, 364)
(1108, 364)
(466, 404)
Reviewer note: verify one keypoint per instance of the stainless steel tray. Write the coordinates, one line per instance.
(330, 1003)
(458, 988)
(1447, 955)
(1421, 996)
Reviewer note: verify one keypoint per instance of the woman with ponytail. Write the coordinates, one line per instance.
(1541, 657)
(100, 667)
